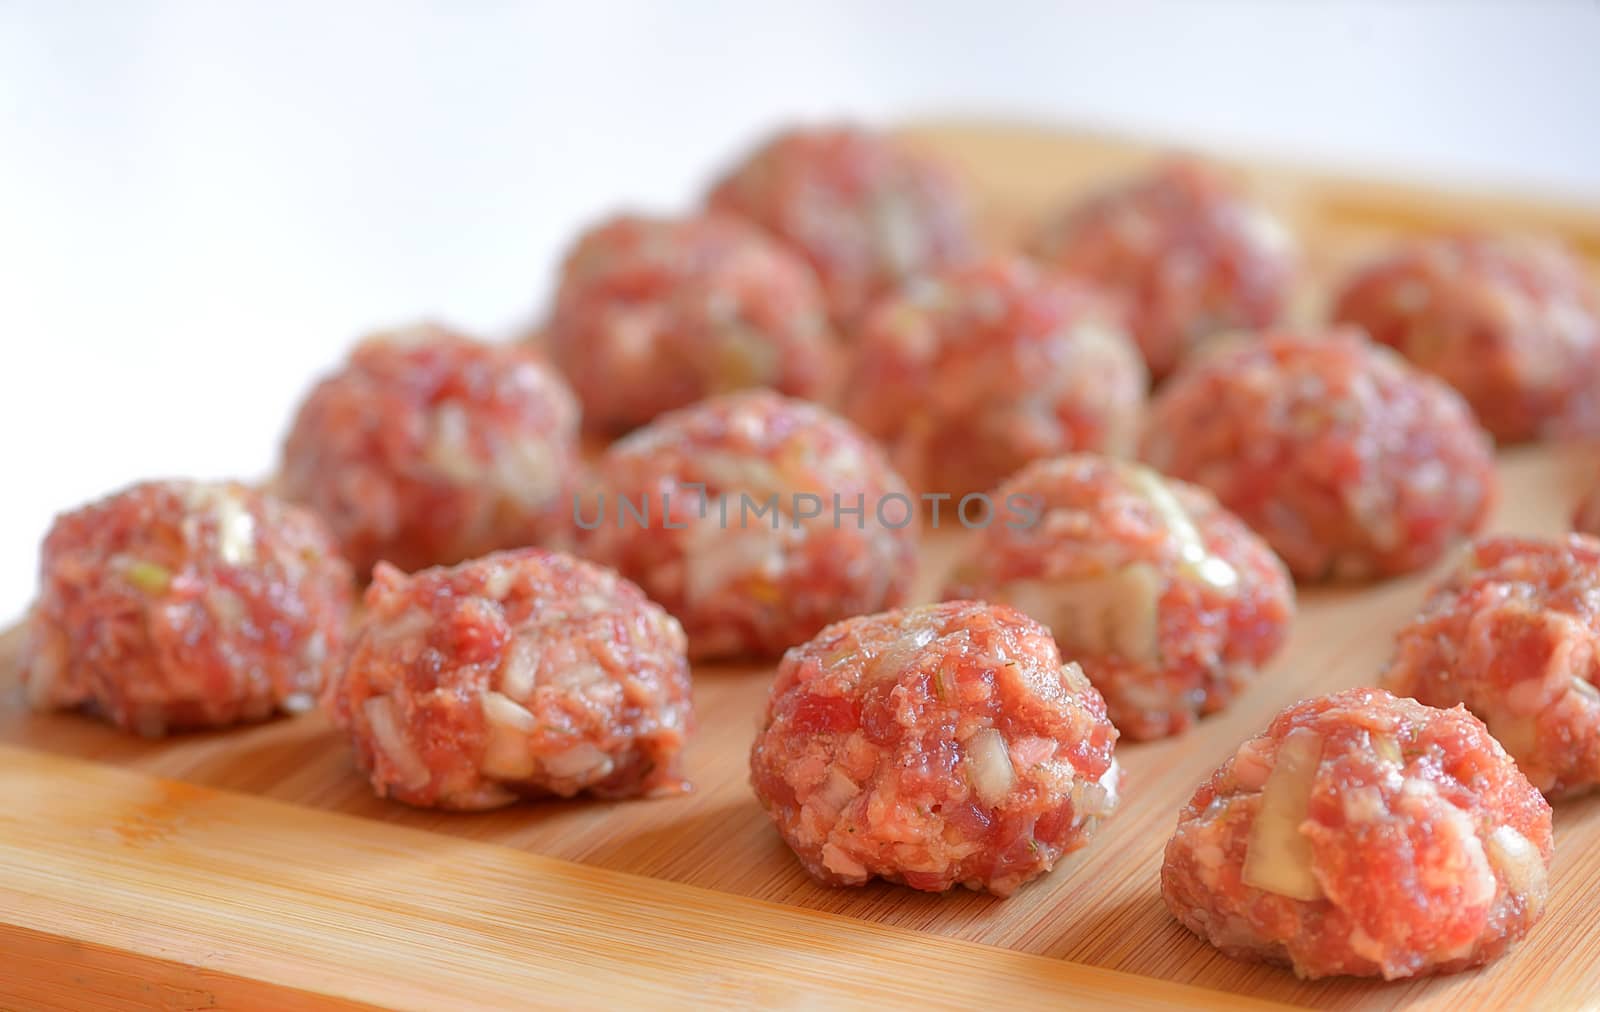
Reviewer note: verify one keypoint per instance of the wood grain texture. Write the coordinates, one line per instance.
(1100, 907)
(157, 892)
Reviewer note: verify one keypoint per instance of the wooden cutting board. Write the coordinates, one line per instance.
(256, 869)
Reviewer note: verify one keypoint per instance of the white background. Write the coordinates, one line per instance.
(202, 204)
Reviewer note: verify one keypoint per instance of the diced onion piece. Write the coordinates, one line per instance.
(988, 766)
(1278, 856)
(506, 753)
(579, 675)
(1585, 688)
(519, 672)
(499, 582)
(506, 712)
(1096, 799)
(1198, 560)
(837, 790)
(1117, 613)
(391, 741)
(582, 761)
(736, 473)
(1518, 861)
(715, 557)
(298, 702)
(1111, 781)
(1387, 748)
(893, 660)
(387, 632)
(1072, 674)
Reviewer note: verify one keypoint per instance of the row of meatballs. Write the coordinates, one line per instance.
(835, 239)
(940, 745)
(756, 520)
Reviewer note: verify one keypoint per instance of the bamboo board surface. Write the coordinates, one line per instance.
(147, 872)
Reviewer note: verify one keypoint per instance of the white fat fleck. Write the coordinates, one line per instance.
(1363, 804)
(1110, 780)
(298, 702)
(236, 531)
(499, 582)
(528, 472)
(1201, 561)
(1264, 231)
(449, 449)
(898, 234)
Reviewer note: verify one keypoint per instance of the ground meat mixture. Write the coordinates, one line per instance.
(753, 518)
(176, 605)
(522, 674)
(653, 314)
(968, 376)
(865, 210)
(429, 448)
(1363, 835)
(935, 746)
(1348, 460)
(1514, 634)
(1169, 602)
(1191, 254)
(1512, 323)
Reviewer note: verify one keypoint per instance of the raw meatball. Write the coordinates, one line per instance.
(176, 605)
(1348, 460)
(1514, 324)
(755, 519)
(1363, 835)
(521, 674)
(654, 314)
(936, 746)
(1514, 634)
(1169, 602)
(1191, 254)
(429, 448)
(866, 211)
(967, 377)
